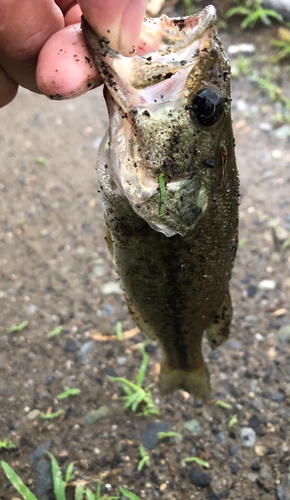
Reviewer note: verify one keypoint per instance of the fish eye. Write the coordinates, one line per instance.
(207, 107)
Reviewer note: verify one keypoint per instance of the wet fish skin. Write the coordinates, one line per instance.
(174, 264)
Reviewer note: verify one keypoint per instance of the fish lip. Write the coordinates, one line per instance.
(201, 22)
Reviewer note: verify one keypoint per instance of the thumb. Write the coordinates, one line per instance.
(118, 20)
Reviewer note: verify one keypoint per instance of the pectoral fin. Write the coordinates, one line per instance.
(219, 330)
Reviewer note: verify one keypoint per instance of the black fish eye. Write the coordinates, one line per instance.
(207, 107)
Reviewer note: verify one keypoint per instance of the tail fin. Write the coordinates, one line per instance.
(196, 382)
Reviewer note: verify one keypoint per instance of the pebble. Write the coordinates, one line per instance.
(192, 426)
(248, 436)
(85, 351)
(71, 346)
(252, 477)
(260, 451)
(121, 360)
(31, 309)
(241, 48)
(282, 132)
(267, 285)
(221, 438)
(252, 290)
(266, 127)
(233, 449)
(284, 333)
(265, 472)
(199, 478)
(38, 453)
(280, 6)
(252, 319)
(43, 480)
(281, 494)
(95, 415)
(254, 421)
(163, 487)
(234, 468)
(211, 495)
(111, 287)
(32, 415)
(256, 465)
(149, 436)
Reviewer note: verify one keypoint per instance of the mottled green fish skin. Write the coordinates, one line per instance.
(177, 287)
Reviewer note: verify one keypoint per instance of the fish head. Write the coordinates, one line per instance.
(169, 111)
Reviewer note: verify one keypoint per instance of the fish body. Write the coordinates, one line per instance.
(169, 186)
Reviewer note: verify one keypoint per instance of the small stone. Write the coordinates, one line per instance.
(111, 287)
(286, 284)
(284, 333)
(37, 454)
(221, 438)
(265, 472)
(199, 478)
(254, 421)
(63, 454)
(266, 127)
(192, 426)
(252, 319)
(149, 436)
(281, 494)
(121, 360)
(85, 351)
(248, 436)
(234, 344)
(252, 477)
(252, 290)
(233, 449)
(279, 398)
(241, 48)
(256, 465)
(234, 468)
(282, 132)
(31, 309)
(32, 415)
(267, 285)
(163, 487)
(71, 346)
(211, 495)
(219, 456)
(95, 415)
(260, 451)
(272, 353)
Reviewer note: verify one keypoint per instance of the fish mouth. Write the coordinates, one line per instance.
(166, 45)
(173, 58)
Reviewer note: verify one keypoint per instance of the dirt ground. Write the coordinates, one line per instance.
(54, 265)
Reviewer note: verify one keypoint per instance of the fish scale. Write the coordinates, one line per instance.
(170, 188)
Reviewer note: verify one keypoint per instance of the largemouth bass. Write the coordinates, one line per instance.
(169, 186)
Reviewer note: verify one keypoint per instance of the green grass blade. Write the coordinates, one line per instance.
(143, 367)
(238, 11)
(79, 492)
(128, 494)
(197, 460)
(58, 484)
(90, 495)
(119, 330)
(68, 392)
(223, 404)
(69, 472)
(18, 328)
(17, 482)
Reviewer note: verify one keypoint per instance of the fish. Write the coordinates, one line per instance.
(170, 187)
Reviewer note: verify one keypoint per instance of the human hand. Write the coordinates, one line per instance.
(42, 46)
